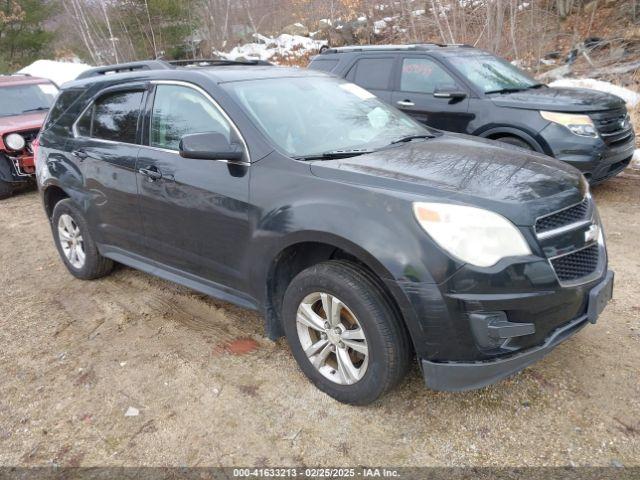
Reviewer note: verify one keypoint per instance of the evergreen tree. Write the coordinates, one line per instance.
(23, 38)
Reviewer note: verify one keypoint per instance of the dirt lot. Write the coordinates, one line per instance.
(211, 390)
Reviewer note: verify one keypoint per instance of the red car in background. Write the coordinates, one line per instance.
(24, 103)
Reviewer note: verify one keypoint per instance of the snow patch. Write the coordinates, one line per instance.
(379, 26)
(635, 161)
(630, 97)
(57, 72)
(283, 45)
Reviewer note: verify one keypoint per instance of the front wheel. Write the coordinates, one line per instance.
(344, 333)
(515, 141)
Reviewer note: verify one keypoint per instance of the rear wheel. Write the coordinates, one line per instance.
(343, 332)
(6, 189)
(75, 244)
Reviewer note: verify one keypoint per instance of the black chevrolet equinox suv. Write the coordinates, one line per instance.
(363, 236)
(462, 89)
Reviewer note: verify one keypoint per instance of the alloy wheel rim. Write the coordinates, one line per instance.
(332, 338)
(71, 241)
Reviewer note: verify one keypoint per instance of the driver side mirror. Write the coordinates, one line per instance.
(450, 91)
(209, 146)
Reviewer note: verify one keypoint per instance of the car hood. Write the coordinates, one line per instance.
(559, 100)
(517, 183)
(17, 123)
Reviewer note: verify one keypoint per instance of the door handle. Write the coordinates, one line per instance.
(151, 172)
(80, 154)
(406, 103)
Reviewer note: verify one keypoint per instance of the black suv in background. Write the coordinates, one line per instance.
(361, 235)
(462, 89)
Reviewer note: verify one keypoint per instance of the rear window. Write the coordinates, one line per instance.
(372, 73)
(324, 64)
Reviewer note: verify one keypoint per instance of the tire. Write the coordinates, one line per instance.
(515, 141)
(362, 378)
(68, 218)
(6, 190)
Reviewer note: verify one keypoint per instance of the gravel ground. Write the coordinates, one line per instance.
(132, 370)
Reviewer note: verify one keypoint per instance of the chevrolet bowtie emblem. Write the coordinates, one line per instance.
(592, 233)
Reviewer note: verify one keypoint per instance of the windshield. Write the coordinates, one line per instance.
(20, 99)
(313, 115)
(492, 74)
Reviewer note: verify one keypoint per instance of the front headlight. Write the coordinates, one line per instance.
(14, 141)
(578, 124)
(473, 235)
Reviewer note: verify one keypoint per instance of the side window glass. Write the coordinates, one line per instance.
(115, 117)
(180, 111)
(422, 75)
(373, 73)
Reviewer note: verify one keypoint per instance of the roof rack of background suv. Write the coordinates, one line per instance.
(374, 48)
(163, 65)
(212, 62)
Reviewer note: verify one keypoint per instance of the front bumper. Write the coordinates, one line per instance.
(17, 169)
(596, 159)
(460, 376)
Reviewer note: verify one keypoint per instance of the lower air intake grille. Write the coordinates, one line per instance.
(577, 264)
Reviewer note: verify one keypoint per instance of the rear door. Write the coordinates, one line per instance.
(106, 145)
(417, 78)
(194, 212)
(374, 73)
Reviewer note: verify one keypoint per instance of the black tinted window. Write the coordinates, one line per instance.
(114, 117)
(324, 64)
(64, 102)
(373, 73)
(423, 76)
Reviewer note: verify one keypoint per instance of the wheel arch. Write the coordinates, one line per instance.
(51, 195)
(303, 251)
(509, 131)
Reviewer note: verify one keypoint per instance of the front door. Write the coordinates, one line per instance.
(417, 80)
(194, 212)
(106, 148)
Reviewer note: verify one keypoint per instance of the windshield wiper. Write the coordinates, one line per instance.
(506, 90)
(515, 89)
(334, 154)
(37, 109)
(408, 138)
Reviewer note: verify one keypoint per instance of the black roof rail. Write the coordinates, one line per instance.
(379, 48)
(212, 62)
(125, 67)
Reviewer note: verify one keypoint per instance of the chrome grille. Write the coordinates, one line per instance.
(577, 265)
(613, 126)
(564, 217)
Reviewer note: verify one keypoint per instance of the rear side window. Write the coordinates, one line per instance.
(372, 73)
(423, 75)
(112, 117)
(64, 102)
(324, 64)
